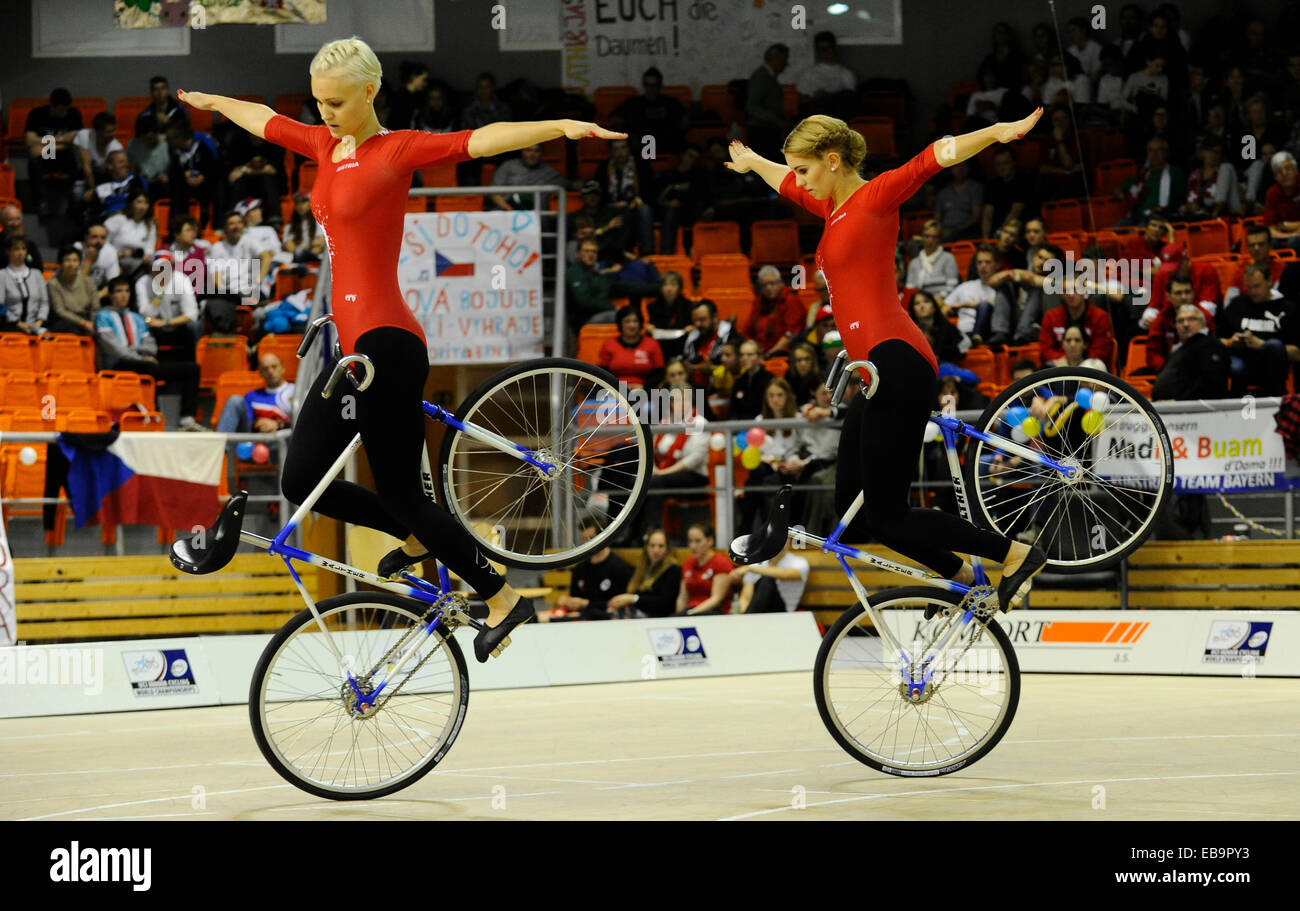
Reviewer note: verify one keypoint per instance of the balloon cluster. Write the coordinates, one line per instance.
(1027, 425)
(748, 445)
(252, 452)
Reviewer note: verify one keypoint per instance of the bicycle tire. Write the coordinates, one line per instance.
(519, 544)
(824, 690)
(983, 499)
(270, 665)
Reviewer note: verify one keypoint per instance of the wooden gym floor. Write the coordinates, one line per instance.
(1081, 747)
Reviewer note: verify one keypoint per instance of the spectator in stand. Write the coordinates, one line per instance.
(1204, 278)
(1022, 368)
(1146, 88)
(717, 402)
(189, 255)
(486, 107)
(265, 239)
(1260, 126)
(1076, 311)
(740, 197)
(595, 581)
(824, 295)
(1255, 55)
(1083, 48)
(750, 386)
(403, 113)
(681, 460)
(52, 165)
(655, 583)
(652, 113)
(165, 299)
(110, 195)
(255, 169)
(828, 86)
(133, 233)
(99, 257)
(164, 109)
(1032, 92)
(525, 169)
(933, 269)
(1066, 82)
(821, 335)
(1197, 367)
(627, 183)
(706, 575)
(959, 205)
(945, 339)
(1258, 247)
(1060, 174)
(437, 114)
(670, 309)
(1007, 250)
(774, 585)
(11, 222)
(784, 453)
(1130, 28)
(1006, 59)
(304, 238)
(150, 157)
(1155, 236)
(1159, 44)
(702, 349)
(776, 317)
(1108, 103)
(1282, 204)
(592, 289)
(73, 296)
(195, 171)
(1259, 179)
(1075, 347)
(1291, 94)
(982, 106)
(92, 145)
(634, 357)
(823, 439)
(1262, 332)
(681, 193)
(1158, 188)
(1043, 43)
(240, 262)
(1021, 300)
(1162, 335)
(1035, 237)
(1212, 189)
(803, 375)
(126, 344)
(765, 103)
(22, 290)
(608, 222)
(263, 410)
(972, 301)
(1009, 195)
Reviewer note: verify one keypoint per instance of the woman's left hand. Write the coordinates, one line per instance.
(577, 129)
(1018, 129)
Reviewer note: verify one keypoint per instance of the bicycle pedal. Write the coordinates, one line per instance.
(496, 652)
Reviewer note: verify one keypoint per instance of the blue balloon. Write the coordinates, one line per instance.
(740, 439)
(1084, 398)
(244, 450)
(1016, 415)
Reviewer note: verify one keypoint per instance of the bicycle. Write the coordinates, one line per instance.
(364, 694)
(917, 681)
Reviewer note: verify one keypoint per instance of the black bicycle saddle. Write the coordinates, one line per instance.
(767, 542)
(215, 546)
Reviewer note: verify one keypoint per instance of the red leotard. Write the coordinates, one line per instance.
(856, 255)
(360, 203)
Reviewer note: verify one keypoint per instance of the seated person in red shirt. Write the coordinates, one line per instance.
(1076, 311)
(635, 358)
(1258, 244)
(1204, 278)
(1151, 241)
(706, 575)
(777, 315)
(1282, 202)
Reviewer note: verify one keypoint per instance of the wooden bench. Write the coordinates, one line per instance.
(119, 597)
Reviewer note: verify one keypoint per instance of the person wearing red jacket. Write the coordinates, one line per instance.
(634, 357)
(777, 315)
(1148, 244)
(1204, 278)
(1163, 336)
(1076, 311)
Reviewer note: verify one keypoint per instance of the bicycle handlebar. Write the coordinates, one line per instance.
(310, 335)
(341, 368)
(842, 369)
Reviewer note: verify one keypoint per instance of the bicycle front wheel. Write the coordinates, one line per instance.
(304, 710)
(969, 700)
(1084, 419)
(566, 413)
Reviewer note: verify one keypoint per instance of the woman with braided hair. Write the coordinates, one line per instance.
(882, 437)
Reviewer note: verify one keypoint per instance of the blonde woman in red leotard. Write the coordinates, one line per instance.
(359, 199)
(882, 437)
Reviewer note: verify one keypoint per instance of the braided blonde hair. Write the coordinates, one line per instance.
(350, 59)
(819, 134)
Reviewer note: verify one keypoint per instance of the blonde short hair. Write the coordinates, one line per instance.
(350, 59)
(819, 134)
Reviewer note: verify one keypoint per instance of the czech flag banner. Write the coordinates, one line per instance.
(167, 479)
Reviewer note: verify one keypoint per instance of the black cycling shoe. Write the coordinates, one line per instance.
(1013, 588)
(492, 640)
(397, 560)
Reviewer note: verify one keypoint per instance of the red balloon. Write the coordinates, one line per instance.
(260, 453)
(755, 436)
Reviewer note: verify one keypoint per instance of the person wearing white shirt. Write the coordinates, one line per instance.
(934, 269)
(827, 85)
(238, 262)
(165, 298)
(92, 146)
(1066, 77)
(99, 257)
(133, 232)
(774, 585)
(22, 291)
(973, 300)
(265, 239)
(1083, 48)
(1151, 82)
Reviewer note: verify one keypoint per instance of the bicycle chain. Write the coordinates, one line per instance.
(457, 604)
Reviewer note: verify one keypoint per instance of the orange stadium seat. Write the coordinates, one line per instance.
(126, 109)
(7, 182)
(723, 270)
(1110, 174)
(1207, 237)
(719, 100)
(135, 421)
(19, 352)
(790, 100)
(1137, 355)
(1107, 210)
(879, 134)
(714, 237)
(673, 262)
(733, 303)
(120, 390)
(775, 242)
(289, 103)
(590, 339)
(216, 356)
(963, 251)
(1063, 215)
(912, 223)
(608, 97)
(72, 390)
(439, 175)
(66, 352)
(21, 389)
(982, 363)
(19, 108)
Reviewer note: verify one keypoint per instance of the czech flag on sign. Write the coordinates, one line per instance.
(168, 479)
(445, 268)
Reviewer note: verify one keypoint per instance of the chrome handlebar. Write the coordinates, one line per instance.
(342, 365)
(842, 369)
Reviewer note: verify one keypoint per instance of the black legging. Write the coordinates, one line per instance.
(880, 447)
(390, 418)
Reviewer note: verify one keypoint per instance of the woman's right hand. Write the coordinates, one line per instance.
(201, 101)
(742, 157)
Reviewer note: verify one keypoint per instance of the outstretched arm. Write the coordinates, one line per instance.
(505, 136)
(743, 159)
(248, 114)
(951, 150)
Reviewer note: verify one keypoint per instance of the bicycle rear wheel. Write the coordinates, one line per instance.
(570, 414)
(303, 708)
(1085, 418)
(967, 708)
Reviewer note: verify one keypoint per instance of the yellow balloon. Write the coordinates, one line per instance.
(1091, 422)
(1031, 427)
(751, 457)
